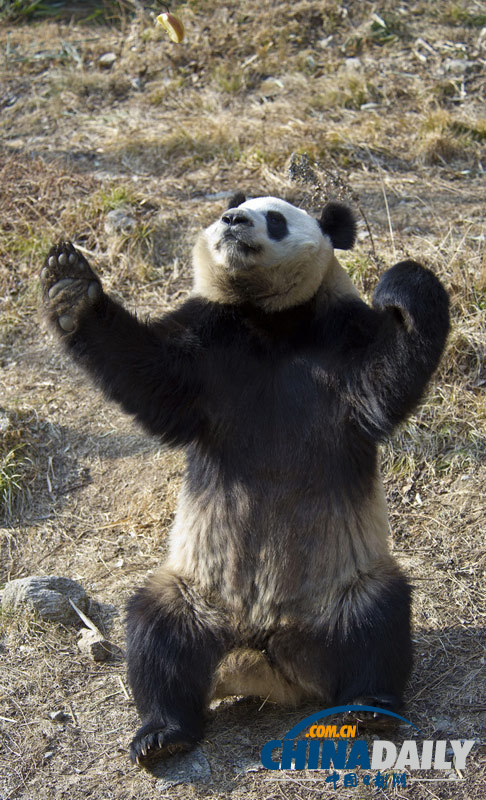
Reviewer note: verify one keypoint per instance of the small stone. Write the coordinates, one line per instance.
(48, 596)
(271, 87)
(244, 765)
(442, 725)
(456, 65)
(59, 716)
(66, 322)
(219, 196)
(96, 646)
(119, 221)
(4, 421)
(107, 60)
(325, 42)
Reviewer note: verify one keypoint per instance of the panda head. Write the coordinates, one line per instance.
(272, 254)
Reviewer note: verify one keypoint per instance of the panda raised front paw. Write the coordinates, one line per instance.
(69, 285)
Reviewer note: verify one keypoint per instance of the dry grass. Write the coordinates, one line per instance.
(389, 100)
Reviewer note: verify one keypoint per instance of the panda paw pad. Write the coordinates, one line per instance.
(68, 284)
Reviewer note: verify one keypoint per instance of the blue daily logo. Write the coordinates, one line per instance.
(320, 750)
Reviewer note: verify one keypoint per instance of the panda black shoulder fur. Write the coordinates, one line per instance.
(279, 382)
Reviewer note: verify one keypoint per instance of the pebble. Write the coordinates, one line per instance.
(95, 646)
(107, 60)
(119, 221)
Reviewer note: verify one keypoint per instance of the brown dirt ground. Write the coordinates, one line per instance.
(388, 99)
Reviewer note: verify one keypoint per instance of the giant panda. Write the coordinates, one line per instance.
(279, 382)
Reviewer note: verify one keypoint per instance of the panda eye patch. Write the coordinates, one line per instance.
(276, 225)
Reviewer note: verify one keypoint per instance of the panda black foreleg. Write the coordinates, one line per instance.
(363, 657)
(413, 322)
(150, 368)
(174, 642)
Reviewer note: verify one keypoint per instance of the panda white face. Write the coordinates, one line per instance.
(266, 232)
(264, 251)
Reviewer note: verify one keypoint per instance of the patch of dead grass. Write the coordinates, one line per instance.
(17, 470)
(445, 137)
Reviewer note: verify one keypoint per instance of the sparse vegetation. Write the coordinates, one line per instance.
(16, 465)
(464, 14)
(153, 154)
(10, 481)
(444, 137)
(388, 99)
(90, 10)
(348, 89)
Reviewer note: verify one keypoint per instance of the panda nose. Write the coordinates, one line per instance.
(236, 217)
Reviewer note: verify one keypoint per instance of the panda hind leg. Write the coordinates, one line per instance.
(174, 643)
(363, 658)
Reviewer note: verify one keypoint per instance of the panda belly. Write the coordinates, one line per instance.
(271, 549)
(282, 507)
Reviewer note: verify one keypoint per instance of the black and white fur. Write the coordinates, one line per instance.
(279, 382)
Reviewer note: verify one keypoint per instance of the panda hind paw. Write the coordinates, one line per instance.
(373, 719)
(157, 741)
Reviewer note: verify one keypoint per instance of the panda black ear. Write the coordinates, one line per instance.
(236, 200)
(338, 222)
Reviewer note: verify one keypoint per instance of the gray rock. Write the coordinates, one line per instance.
(4, 421)
(96, 646)
(270, 87)
(119, 221)
(48, 596)
(59, 716)
(245, 765)
(192, 767)
(456, 65)
(103, 614)
(107, 60)
(353, 63)
(219, 196)
(442, 725)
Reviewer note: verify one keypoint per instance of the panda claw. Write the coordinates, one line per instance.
(153, 744)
